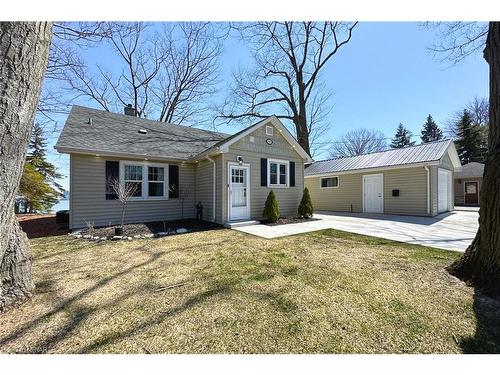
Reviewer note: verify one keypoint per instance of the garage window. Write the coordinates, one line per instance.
(329, 182)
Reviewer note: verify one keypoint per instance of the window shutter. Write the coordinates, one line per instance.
(292, 173)
(112, 174)
(263, 172)
(173, 181)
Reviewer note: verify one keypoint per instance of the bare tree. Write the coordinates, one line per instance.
(24, 50)
(123, 193)
(457, 40)
(189, 72)
(289, 57)
(141, 57)
(358, 142)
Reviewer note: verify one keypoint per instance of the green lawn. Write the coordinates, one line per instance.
(324, 292)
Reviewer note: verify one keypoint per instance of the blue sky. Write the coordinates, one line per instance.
(384, 76)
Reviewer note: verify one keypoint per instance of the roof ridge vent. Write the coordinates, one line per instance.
(143, 131)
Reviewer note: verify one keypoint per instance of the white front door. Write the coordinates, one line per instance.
(239, 197)
(373, 196)
(444, 190)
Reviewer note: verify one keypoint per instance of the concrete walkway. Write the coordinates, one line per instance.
(452, 231)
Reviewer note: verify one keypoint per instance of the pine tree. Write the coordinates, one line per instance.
(431, 131)
(470, 142)
(37, 155)
(402, 137)
(271, 208)
(306, 207)
(39, 183)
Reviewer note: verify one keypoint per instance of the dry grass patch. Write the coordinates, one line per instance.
(326, 291)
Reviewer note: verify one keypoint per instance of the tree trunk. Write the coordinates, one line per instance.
(300, 121)
(24, 48)
(480, 264)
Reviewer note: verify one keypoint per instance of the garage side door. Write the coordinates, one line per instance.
(444, 190)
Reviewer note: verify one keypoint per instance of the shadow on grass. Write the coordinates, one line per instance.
(78, 313)
(487, 336)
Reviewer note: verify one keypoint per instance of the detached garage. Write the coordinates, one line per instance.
(416, 180)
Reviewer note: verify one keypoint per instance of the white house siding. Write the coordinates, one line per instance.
(88, 202)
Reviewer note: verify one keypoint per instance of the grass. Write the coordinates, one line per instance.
(323, 292)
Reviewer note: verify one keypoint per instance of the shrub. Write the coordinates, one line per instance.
(306, 207)
(271, 209)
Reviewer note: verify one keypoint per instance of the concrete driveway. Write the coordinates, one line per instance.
(453, 231)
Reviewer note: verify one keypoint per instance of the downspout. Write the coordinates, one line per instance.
(213, 187)
(428, 190)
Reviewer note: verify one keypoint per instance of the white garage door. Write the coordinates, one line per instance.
(444, 190)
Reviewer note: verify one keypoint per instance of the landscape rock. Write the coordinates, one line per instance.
(78, 236)
(104, 238)
(162, 234)
(181, 230)
(87, 237)
(117, 238)
(150, 235)
(96, 238)
(129, 238)
(137, 236)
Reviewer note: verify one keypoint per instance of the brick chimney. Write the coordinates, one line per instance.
(130, 111)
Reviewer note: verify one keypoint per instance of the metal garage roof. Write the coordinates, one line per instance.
(423, 153)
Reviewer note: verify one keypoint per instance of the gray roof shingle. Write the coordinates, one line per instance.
(426, 152)
(117, 133)
(472, 169)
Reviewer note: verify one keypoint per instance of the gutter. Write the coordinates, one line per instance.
(213, 186)
(428, 190)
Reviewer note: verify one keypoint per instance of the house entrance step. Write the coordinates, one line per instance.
(237, 224)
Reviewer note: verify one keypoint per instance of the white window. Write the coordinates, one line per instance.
(133, 178)
(149, 180)
(269, 130)
(329, 182)
(156, 181)
(277, 173)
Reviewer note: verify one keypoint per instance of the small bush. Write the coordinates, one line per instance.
(306, 207)
(271, 209)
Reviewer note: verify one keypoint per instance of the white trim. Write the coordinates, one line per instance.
(214, 195)
(455, 159)
(269, 130)
(229, 181)
(101, 153)
(428, 189)
(329, 187)
(278, 162)
(370, 170)
(363, 190)
(145, 181)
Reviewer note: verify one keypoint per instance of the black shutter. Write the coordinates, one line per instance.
(112, 174)
(263, 172)
(292, 173)
(173, 181)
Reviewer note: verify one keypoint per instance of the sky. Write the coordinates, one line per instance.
(385, 75)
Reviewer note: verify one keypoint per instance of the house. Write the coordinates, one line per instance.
(467, 184)
(174, 167)
(414, 180)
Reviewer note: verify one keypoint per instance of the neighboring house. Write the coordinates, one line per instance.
(174, 167)
(468, 184)
(414, 180)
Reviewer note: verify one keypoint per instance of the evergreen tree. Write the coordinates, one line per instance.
(402, 137)
(470, 140)
(271, 208)
(431, 131)
(306, 208)
(39, 180)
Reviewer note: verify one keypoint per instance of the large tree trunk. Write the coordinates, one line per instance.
(480, 265)
(24, 48)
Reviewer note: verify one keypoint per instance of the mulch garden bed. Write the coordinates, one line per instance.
(288, 220)
(147, 230)
(40, 225)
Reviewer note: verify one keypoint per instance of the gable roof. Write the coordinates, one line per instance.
(472, 169)
(119, 135)
(426, 153)
(112, 133)
(223, 146)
